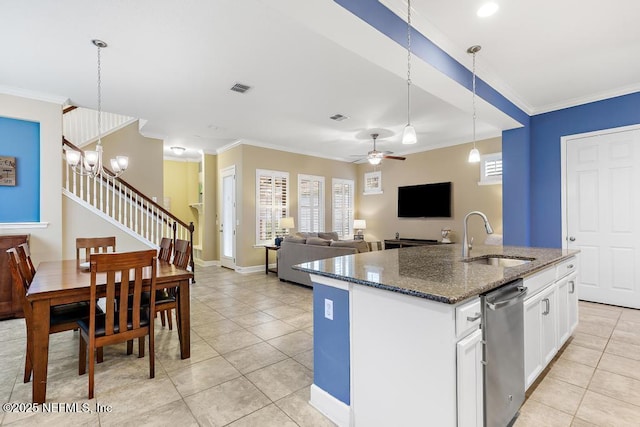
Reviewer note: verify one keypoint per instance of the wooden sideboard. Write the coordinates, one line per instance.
(10, 301)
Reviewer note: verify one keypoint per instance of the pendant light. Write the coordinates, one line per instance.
(90, 164)
(474, 154)
(409, 134)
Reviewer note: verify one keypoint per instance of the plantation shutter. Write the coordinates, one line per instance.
(272, 204)
(343, 201)
(310, 203)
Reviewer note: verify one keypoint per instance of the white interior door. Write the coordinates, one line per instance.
(602, 214)
(228, 220)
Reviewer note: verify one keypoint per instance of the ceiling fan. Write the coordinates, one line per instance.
(375, 157)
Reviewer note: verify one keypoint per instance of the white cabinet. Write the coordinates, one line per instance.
(572, 302)
(470, 380)
(540, 333)
(550, 315)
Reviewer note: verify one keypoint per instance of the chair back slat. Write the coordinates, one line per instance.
(85, 246)
(25, 254)
(166, 247)
(23, 264)
(19, 281)
(182, 253)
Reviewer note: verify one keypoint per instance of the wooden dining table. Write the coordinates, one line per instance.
(63, 282)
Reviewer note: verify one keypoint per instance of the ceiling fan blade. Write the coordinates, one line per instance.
(394, 157)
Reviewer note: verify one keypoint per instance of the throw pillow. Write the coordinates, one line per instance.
(359, 245)
(331, 235)
(318, 241)
(295, 239)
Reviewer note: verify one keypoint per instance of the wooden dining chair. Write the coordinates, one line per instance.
(125, 318)
(166, 299)
(85, 246)
(166, 249)
(61, 317)
(25, 254)
(164, 254)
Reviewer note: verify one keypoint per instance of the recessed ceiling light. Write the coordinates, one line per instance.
(488, 9)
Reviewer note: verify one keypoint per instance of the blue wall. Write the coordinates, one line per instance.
(331, 355)
(21, 139)
(546, 131)
(516, 147)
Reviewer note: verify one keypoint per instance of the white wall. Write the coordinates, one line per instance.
(77, 218)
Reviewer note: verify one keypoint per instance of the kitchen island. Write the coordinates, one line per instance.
(396, 332)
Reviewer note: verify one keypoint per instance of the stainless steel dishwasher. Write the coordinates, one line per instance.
(503, 336)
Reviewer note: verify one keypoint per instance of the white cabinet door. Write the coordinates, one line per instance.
(572, 285)
(532, 339)
(540, 332)
(549, 306)
(469, 381)
(563, 311)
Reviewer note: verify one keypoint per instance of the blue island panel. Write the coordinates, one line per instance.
(331, 365)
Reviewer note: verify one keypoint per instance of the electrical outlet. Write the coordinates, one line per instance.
(328, 309)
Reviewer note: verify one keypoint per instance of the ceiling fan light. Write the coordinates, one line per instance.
(374, 160)
(474, 155)
(409, 135)
(178, 150)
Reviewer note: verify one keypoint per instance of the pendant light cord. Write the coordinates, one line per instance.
(408, 62)
(474, 99)
(99, 98)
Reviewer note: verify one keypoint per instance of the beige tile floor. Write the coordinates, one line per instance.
(252, 364)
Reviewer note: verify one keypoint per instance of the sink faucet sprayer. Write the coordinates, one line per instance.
(466, 246)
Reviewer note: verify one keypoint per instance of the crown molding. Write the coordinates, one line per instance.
(31, 94)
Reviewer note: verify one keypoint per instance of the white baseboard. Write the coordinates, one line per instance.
(329, 406)
(201, 263)
(251, 269)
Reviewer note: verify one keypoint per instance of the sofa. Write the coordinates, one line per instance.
(304, 247)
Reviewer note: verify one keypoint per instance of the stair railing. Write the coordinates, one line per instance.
(125, 204)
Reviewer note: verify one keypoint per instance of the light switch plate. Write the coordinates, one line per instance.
(328, 309)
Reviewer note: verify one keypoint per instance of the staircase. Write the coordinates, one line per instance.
(121, 204)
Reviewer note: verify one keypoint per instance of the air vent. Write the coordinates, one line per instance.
(338, 117)
(240, 88)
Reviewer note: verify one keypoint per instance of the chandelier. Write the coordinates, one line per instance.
(409, 134)
(474, 154)
(90, 163)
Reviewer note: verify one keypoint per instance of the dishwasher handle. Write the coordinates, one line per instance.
(514, 299)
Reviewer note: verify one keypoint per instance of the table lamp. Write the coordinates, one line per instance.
(359, 225)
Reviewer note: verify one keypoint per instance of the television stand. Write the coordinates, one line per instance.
(402, 243)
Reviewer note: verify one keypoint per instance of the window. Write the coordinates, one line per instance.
(310, 203)
(272, 203)
(491, 169)
(342, 202)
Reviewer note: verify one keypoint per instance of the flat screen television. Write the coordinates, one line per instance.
(425, 201)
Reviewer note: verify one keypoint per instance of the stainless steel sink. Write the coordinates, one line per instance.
(499, 261)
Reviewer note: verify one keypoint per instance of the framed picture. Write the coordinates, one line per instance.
(7, 171)
(372, 183)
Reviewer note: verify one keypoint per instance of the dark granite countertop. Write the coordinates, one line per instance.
(434, 272)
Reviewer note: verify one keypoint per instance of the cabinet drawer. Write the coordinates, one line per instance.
(538, 281)
(566, 267)
(468, 317)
